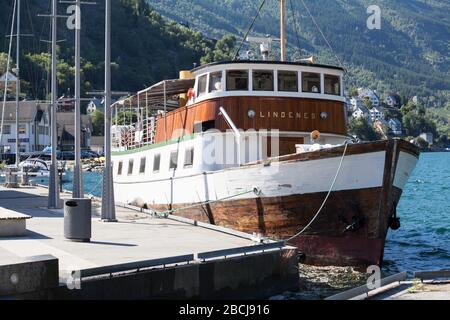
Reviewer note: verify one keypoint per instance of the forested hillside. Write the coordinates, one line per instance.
(409, 55)
(145, 47)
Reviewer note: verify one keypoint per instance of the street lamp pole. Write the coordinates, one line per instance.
(108, 205)
(53, 197)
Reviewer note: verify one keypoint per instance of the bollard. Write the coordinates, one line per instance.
(25, 179)
(11, 179)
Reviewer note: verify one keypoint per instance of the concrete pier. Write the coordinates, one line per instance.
(138, 237)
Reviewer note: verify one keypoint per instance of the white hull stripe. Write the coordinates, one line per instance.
(359, 171)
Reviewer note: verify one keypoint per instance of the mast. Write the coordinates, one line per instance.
(283, 29)
(17, 83)
(53, 197)
(6, 81)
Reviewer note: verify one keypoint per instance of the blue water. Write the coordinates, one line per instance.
(423, 241)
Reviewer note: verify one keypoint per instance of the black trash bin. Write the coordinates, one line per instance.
(78, 220)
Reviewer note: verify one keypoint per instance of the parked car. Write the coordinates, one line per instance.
(67, 156)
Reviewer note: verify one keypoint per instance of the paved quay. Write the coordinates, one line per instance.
(433, 290)
(135, 237)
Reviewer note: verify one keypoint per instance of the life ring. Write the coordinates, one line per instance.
(191, 93)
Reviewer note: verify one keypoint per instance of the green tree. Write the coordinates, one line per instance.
(124, 118)
(353, 92)
(416, 121)
(98, 123)
(4, 62)
(422, 143)
(223, 50)
(363, 129)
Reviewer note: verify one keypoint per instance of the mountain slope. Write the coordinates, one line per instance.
(410, 53)
(145, 47)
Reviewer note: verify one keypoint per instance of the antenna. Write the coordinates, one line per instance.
(265, 44)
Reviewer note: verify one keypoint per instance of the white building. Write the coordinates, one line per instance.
(428, 137)
(95, 104)
(371, 94)
(34, 127)
(376, 114)
(392, 101)
(396, 126)
(361, 112)
(356, 103)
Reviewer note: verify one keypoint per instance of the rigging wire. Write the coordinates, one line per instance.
(323, 36)
(296, 28)
(249, 29)
(32, 71)
(7, 70)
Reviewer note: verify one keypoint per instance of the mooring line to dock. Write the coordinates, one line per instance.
(165, 214)
(326, 198)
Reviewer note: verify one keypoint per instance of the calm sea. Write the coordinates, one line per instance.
(423, 241)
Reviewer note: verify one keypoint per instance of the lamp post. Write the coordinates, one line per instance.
(53, 197)
(108, 205)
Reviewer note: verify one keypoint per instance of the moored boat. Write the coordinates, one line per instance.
(262, 147)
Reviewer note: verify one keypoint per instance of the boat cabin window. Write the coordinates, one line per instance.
(237, 80)
(173, 160)
(130, 166)
(311, 82)
(263, 80)
(288, 81)
(332, 85)
(189, 158)
(156, 162)
(119, 170)
(143, 165)
(215, 81)
(202, 81)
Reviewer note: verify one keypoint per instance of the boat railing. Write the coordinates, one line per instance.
(134, 136)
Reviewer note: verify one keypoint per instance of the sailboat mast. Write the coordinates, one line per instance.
(283, 29)
(17, 83)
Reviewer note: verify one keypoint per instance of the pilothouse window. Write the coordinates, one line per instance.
(288, 81)
(237, 80)
(311, 82)
(215, 81)
(263, 80)
(202, 81)
(332, 85)
(189, 157)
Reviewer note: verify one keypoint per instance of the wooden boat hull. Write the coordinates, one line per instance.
(351, 228)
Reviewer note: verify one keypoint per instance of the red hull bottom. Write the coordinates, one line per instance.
(351, 251)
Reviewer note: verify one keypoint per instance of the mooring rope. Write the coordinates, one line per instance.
(165, 214)
(326, 198)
